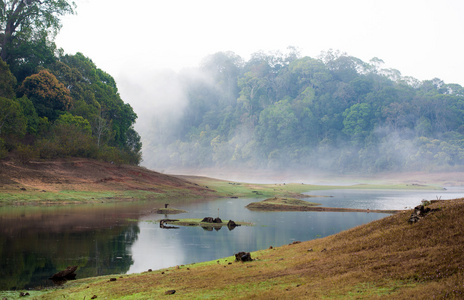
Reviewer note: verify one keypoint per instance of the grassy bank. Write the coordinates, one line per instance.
(388, 258)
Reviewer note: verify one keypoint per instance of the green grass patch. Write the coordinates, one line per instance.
(249, 190)
(16, 294)
(281, 204)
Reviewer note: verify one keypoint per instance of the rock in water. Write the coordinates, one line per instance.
(231, 225)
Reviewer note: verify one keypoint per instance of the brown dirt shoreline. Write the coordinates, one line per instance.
(40, 181)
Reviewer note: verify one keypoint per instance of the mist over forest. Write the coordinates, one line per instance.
(280, 111)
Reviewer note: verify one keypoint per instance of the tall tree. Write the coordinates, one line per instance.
(21, 19)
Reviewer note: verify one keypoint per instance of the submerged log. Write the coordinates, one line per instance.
(65, 274)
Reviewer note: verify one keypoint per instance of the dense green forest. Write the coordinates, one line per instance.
(53, 104)
(335, 112)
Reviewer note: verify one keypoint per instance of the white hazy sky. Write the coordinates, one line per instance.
(420, 38)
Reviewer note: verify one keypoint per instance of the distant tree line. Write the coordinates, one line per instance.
(335, 112)
(54, 105)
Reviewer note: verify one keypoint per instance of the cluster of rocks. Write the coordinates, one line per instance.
(230, 225)
(419, 212)
(211, 220)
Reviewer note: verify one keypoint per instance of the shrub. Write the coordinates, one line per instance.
(25, 153)
(3, 150)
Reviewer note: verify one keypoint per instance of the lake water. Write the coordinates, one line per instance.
(382, 199)
(119, 239)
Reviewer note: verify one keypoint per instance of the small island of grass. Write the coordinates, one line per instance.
(282, 204)
(292, 204)
(169, 211)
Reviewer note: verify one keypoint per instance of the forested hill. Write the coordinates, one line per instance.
(54, 105)
(335, 112)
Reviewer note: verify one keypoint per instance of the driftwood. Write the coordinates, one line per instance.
(65, 274)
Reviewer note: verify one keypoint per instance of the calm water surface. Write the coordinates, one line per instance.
(119, 239)
(383, 199)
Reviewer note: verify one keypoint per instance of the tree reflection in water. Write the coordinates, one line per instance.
(35, 243)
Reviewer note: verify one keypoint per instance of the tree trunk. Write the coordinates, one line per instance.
(11, 25)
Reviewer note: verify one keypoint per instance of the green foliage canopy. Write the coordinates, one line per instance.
(7, 81)
(26, 19)
(334, 112)
(50, 97)
(12, 120)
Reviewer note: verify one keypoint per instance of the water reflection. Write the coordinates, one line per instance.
(157, 248)
(37, 243)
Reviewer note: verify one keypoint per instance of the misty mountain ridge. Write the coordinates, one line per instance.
(280, 111)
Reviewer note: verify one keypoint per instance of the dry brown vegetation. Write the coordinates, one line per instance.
(38, 180)
(84, 174)
(388, 258)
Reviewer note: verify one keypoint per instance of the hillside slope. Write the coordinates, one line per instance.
(85, 179)
(386, 259)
